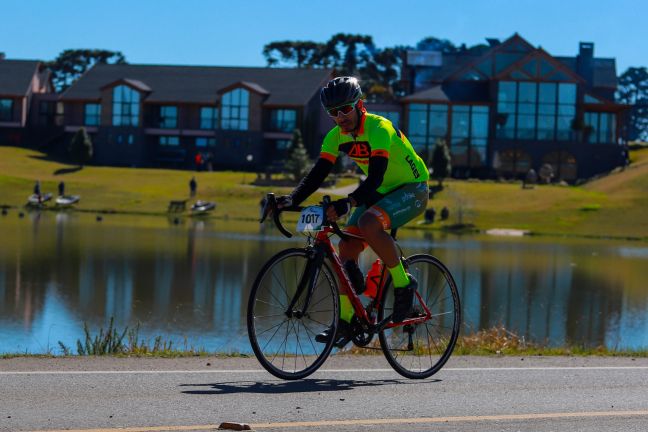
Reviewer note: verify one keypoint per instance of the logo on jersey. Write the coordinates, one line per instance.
(359, 150)
(412, 165)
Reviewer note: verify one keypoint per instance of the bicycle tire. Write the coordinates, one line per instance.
(433, 340)
(273, 289)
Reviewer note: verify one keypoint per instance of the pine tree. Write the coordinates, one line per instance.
(298, 162)
(441, 163)
(80, 148)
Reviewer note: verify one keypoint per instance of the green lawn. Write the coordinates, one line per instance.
(615, 205)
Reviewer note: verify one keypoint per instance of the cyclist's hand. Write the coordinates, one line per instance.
(284, 201)
(338, 209)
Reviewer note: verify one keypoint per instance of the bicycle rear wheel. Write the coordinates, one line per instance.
(285, 345)
(420, 350)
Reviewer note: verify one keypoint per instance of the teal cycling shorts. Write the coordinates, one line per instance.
(394, 209)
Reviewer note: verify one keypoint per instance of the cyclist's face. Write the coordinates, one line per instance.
(346, 122)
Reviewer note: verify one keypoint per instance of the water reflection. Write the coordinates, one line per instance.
(190, 281)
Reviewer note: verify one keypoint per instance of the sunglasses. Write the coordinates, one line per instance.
(344, 109)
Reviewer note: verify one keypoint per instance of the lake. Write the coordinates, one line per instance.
(189, 281)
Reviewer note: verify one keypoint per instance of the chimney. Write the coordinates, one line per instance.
(585, 61)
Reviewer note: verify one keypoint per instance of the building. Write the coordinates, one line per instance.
(510, 107)
(27, 101)
(151, 115)
(503, 108)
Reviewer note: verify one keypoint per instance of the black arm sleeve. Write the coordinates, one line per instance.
(312, 181)
(367, 190)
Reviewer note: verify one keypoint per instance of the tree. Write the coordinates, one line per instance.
(80, 148)
(298, 53)
(633, 90)
(72, 63)
(441, 162)
(298, 162)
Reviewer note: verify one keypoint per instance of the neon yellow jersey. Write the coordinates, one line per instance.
(378, 137)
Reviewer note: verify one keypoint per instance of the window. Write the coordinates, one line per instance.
(92, 115)
(6, 109)
(50, 113)
(528, 110)
(566, 110)
(235, 107)
(284, 120)
(600, 127)
(205, 142)
(168, 117)
(125, 106)
(169, 141)
(392, 116)
(283, 144)
(469, 135)
(427, 123)
(208, 118)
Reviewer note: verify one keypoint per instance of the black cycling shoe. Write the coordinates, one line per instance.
(403, 300)
(342, 336)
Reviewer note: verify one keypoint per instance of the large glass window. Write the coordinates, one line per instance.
(205, 142)
(235, 109)
(168, 117)
(566, 111)
(284, 120)
(528, 110)
(6, 109)
(125, 106)
(547, 111)
(169, 141)
(427, 123)
(601, 127)
(208, 118)
(92, 114)
(392, 116)
(469, 135)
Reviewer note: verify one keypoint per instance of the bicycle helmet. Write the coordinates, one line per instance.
(340, 91)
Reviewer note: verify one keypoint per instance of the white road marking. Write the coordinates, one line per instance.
(262, 371)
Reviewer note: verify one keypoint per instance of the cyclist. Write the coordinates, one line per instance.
(393, 193)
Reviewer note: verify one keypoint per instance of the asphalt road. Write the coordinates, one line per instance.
(351, 393)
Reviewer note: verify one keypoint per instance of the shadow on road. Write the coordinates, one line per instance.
(304, 386)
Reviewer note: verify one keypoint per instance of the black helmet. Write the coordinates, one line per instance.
(340, 91)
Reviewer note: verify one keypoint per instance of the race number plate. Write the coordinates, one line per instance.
(310, 219)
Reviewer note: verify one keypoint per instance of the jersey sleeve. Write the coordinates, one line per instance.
(330, 146)
(381, 138)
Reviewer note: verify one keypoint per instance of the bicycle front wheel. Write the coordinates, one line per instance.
(420, 350)
(284, 343)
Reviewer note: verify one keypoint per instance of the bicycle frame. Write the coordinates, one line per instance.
(323, 238)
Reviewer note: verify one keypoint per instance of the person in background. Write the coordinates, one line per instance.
(193, 185)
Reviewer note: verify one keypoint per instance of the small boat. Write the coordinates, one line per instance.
(39, 199)
(66, 200)
(203, 206)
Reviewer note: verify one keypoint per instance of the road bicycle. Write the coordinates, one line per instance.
(295, 296)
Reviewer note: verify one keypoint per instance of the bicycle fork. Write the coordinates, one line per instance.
(307, 282)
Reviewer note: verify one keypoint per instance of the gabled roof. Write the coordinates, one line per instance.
(248, 85)
(16, 76)
(200, 84)
(136, 84)
(464, 92)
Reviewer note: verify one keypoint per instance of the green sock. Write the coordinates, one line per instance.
(399, 276)
(346, 308)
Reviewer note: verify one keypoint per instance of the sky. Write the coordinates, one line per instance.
(233, 33)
